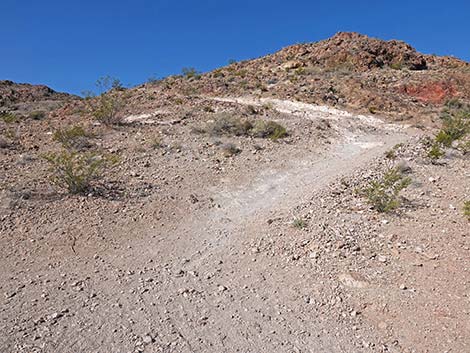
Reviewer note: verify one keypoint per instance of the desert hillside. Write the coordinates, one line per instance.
(312, 200)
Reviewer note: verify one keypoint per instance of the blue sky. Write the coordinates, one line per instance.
(69, 44)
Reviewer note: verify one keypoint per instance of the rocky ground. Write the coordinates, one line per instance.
(204, 242)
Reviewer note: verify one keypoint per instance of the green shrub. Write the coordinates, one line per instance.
(107, 107)
(466, 209)
(37, 115)
(383, 194)
(8, 117)
(190, 72)
(435, 151)
(76, 171)
(73, 137)
(299, 223)
(396, 65)
(269, 129)
(455, 124)
(227, 124)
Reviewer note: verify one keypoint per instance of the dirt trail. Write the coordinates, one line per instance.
(204, 287)
(256, 303)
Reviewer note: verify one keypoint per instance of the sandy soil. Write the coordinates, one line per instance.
(210, 261)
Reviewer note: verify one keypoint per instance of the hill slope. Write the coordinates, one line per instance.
(349, 71)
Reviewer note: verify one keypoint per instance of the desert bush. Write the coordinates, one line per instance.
(190, 72)
(396, 65)
(269, 129)
(299, 223)
(108, 83)
(455, 124)
(383, 194)
(76, 171)
(107, 107)
(8, 117)
(435, 152)
(228, 124)
(37, 115)
(73, 137)
(466, 209)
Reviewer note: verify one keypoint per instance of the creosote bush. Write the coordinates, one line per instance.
(73, 137)
(383, 194)
(76, 171)
(227, 124)
(105, 108)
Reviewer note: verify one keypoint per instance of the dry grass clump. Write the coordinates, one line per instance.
(228, 124)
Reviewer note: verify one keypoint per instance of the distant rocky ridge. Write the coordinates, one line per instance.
(24, 97)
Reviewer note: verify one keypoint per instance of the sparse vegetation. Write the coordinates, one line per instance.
(105, 108)
(227, 124)
(73, 137)
(383, 194)
(466, 209)
(299, 223)
(8, 117)
(190, 72)
(269, 129)
(76, 171)
(108, 107)
(37, 115)
(435, 152)
(455, 127)
(396, 65)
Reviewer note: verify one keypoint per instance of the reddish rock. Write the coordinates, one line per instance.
(430, 92)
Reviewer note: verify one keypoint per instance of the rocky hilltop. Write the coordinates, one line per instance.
(349, 71)
(25, 98)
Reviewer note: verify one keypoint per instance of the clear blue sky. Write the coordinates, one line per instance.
(69, 44)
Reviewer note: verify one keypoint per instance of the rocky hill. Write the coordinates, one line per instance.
(25, 98)
(349, 71)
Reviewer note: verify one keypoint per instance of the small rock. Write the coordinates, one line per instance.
(147, 339)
